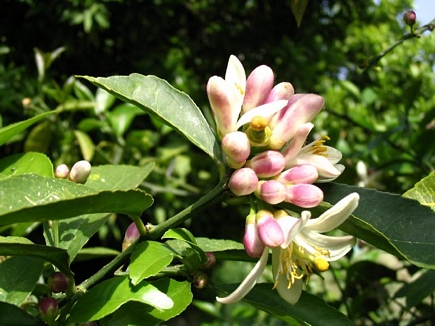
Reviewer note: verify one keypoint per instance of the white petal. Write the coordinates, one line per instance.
(334, 216)
(265, 110)
(291, 295)
(337, 246)
(291, 227)
(325, 168)
(249, 282)
(235, 74)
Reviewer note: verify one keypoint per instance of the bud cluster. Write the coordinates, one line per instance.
(263, 128)
(79, 172)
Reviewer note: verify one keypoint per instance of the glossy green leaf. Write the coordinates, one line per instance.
(135, 313)
(309, 310)
(396, 224)
(95, 252)
(156, 97)
(110, 295)
(17, 246)
(424, 191)
(18, 277)
(10, 131)
(148, 259)
(86, 144)
(187, 236)
(122, 116)
(104, 101)
(13, 315)
(75, 232)
(38, 139)
(53, 199)
(417, 290)
(31, 162)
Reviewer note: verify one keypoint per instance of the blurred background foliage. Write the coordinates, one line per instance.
(382, 116)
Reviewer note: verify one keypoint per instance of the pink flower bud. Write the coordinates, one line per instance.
(200, 280)
(243, 182)
(131, 235)
(62, 171)
(224, 102)
(281, 91)
(57, 282)
(304, 173)
(237, 147)
(80, 172)
(258, 86)
(272, 192)
(267, 164)
(269, 231)
(409, 17)
(304, 195)
(211, 260)
(301, 108)
(48, 310)
(253, 245)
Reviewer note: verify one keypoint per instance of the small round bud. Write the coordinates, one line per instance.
(62, 171)
(271, 191)
(48, 309)
(80, 172)
(269, 230)
(26, 102)
(237, 148)
(267, 164)
(200, 280)
(409, 17)
(131, 234)
(57, 282)
(304, 195)
(211, 260)
(243, 182)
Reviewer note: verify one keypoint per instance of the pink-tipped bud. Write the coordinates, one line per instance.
(304, 195)
(267, 164)
(269, 231)
(48, 310)
(409, 17)
(243, 182)
(253, 245)
(200, 280)
(299, 174)
(211, 260)
(258, 86)
(281, 91)
(80, 172)
(131, 235)
(272, 192)
(57, 282)
(62, 171)
(237, 147)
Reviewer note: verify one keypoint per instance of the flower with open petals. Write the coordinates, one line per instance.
(304, 250)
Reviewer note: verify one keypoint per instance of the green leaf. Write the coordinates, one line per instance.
(398, 225)
(424, 191)
(298, 9)
(417, 290)
(309, 310)
(13, 315)
(75, 232)
(18, 277)
(135, 313)
(31, 162)
(86, 144)
(148, 259)
(104, 100)
(53, 199)
(10, 131)
(17, 246)
(122, 116)
(187, 236)
(108, 296)
(156, 97)
(95, 252)
(38, 139)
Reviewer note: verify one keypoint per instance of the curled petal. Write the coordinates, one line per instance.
(249, 282)
(291, 226)
(296, 144)
(337, 247)
(334, 216)
(265, 110)
(324, 167)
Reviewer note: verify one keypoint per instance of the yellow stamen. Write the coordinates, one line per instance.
(319, 148)
(321, 264)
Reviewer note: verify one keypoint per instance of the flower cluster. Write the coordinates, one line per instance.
(264, 128)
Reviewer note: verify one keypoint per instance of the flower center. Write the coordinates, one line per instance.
(319, 147)
(258, 132)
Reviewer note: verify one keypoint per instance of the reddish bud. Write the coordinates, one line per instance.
(48, 309)
(211, 260)
(267, 164)
(57, 282)
(304, 173)
(200, 280)
(304, 195)
(269, 231)
(272, 192)
(131, 234)
(409, 17)
(253, 245)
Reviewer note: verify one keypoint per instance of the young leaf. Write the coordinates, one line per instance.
(31, 162)
(396, 224)
(156, 97)
(187, 236)
(110, 295)
(424, 191)
(148, 259)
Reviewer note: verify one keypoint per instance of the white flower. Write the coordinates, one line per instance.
(304, 250)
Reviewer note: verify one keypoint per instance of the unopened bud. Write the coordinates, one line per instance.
(281, 91)
(299, 174)
(258, 86)
(80, 172)
(409, 17)
(304, 195)
(131, 235)
(48, 310)
(62, 171)
(26, 102)
(243, 182)
(267, 164)
(57, 282)
(269, 230)
(237, 148)
(211, 260)
(200, 280)
(272, 192)
(253, 245)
